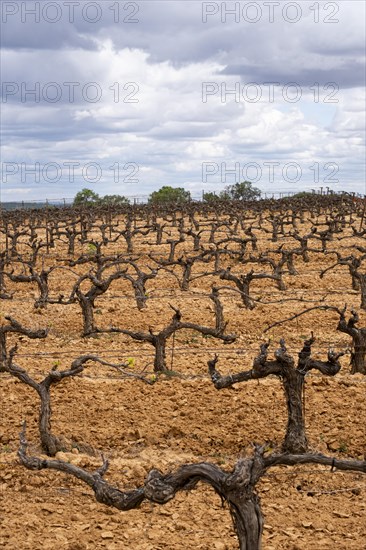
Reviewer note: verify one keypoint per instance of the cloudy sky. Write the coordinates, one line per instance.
(124, 97)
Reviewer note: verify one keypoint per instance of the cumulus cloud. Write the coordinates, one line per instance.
(172, 99)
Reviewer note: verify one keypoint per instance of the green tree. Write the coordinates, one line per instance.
(114, 200)
(86, 197)
(243, 191)
(210, 197)
(225, 195)
(169, 194)
(302, 195)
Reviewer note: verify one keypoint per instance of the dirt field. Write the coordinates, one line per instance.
(181, 418)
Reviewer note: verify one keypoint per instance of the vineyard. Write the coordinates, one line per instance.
(184, 376)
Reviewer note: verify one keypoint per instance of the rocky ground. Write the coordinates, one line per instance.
(179, 419)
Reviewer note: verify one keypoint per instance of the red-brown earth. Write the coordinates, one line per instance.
(181, 418)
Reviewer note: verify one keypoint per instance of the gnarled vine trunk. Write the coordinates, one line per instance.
(295, 439)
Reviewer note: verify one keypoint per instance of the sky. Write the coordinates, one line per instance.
(125, 97)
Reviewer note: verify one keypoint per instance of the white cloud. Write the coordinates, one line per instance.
(155, 70)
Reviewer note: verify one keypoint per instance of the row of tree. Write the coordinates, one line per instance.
(167, 194)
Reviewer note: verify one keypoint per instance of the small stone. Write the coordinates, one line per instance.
(107, 535)
(333, 445)
(48, 508)
(62, 456)
(307, 524)
(341, 514)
